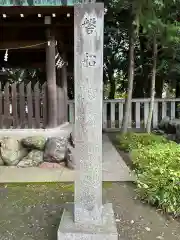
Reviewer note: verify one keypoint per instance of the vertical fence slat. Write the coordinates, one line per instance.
(173, 110)
(120, 105)
(30, 105)
(71, 112)
(146, 111)
(7, 121)
(112, 120)
(105, 115)
(14, 105)
(22, 105)
(164, 109)
(37, 105)
(137, 117)
(130, 117)
(155, 115)
(44, 103)
(1, 107)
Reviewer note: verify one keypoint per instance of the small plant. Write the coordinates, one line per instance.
(158, 175)
(130, 141)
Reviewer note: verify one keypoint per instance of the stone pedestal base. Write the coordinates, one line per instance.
(69, 230)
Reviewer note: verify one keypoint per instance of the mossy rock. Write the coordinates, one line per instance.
(34, 142)
(12, 151)
(33, 159)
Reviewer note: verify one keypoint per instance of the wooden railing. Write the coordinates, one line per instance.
(113, 111)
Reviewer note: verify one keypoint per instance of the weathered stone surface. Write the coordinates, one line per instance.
(51, 165)
(55, 149)
(171, 129)
(158, 131)
(34, 142)
(164, 123)
(69, 158)
(71, 140)
(33, 159)
(1, 162)
(12, 151)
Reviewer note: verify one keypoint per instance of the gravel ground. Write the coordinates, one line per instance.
(33, 212)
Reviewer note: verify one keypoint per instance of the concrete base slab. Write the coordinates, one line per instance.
(63, 130)
(69, 230)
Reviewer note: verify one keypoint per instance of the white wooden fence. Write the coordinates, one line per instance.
(113, 112)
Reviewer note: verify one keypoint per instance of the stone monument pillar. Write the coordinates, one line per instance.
(88, 218)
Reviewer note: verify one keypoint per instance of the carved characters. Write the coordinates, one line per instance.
(89, 23)
(89, 60)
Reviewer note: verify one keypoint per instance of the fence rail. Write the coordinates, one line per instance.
(113, 111)
(26, 107)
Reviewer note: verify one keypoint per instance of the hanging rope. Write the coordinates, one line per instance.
(59, 60)
(23, 47)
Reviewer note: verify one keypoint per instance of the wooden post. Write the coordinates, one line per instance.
(64, 79)
(88, 47)
(51, 77)
(60, 97)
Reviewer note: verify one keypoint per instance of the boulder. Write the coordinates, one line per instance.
(71, 140)
(172, 125)
(69, 157)
(12, 151)
(158, 131)
(34, 142)
(33, 159)
(163, 125)
(178, 132)
(55, 149)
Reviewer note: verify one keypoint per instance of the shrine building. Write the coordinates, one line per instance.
(37, 34)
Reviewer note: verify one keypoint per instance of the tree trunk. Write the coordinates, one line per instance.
(130, 80)
(153, 82)
(112, 88)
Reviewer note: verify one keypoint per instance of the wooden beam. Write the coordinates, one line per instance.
(51, 80)
(65, 91)
(35, 10)
(27, 25)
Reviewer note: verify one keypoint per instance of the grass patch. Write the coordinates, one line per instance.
(62, 187)
(128, 142)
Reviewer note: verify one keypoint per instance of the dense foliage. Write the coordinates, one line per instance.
(130, 141)
(154, 18)
(157, 167)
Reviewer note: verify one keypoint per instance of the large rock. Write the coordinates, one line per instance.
(163, 125)
(34, 142)
(69, 157)
(12, 151)
(71, 140)
(172, 125)
(33, 159)
(55, 149)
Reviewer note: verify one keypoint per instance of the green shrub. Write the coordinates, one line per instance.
(158, 175)
(130, 141)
